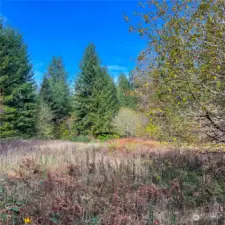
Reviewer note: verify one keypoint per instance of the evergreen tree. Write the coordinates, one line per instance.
(125, 93)
(104, 103)
(46, 93)
(17, 87)
(84, 89)
(44, 124)
(55, 90)
(95, 97)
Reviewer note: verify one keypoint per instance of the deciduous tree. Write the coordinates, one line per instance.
(184, 80)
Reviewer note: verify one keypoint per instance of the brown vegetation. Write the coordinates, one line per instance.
(73, 183)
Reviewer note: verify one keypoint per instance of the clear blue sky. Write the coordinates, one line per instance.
(65, 28)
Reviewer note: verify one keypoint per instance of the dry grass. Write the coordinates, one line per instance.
(48, 154)
(128, 181)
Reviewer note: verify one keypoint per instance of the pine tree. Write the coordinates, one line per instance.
(17, 88)
(104, 103)
(125, 93)
(84, 88)
(55, 90)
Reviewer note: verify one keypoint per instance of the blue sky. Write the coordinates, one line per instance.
(65, 28)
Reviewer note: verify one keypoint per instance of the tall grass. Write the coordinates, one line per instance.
(74, 183)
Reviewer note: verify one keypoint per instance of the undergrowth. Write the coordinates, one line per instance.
(97, 186)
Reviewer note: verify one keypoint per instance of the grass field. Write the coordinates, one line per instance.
(128, 181)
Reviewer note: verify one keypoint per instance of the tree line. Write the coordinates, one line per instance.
(56, 110)
(175, 93)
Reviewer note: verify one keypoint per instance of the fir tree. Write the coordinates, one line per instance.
(46, 93)
(95, 97)
(125, 93)
(55, 91)
(104, 103)
(17, 89)
(84, 89)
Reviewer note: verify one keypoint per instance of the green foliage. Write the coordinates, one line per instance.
(44, 121)
(17, 89)
(104, 104)
(84, 89)
(129, 123)
(152, 129)
(106, 137)
(184, 81)
(81, 138)
(56, 95)
(95, 100)
(65, 130)
(55, 91)
(125, 93)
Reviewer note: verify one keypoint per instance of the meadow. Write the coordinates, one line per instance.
(68, 155)
(121, 182)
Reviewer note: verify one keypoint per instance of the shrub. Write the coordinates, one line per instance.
(129, 123)
(81, 138)
(106, 137)
(64, 130)
(44, 123)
